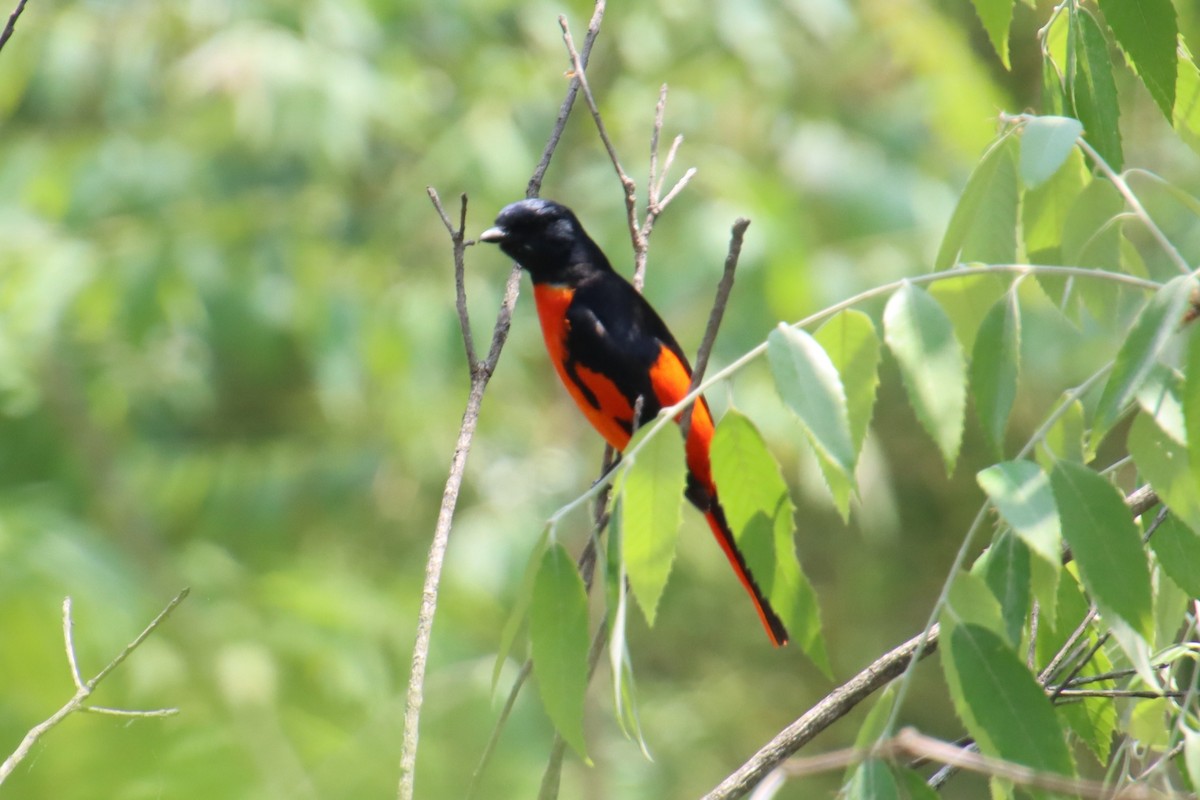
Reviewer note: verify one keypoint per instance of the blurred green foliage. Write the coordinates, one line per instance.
(229, 359)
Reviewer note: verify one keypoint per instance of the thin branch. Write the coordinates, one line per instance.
(580, 73)
(832, 707)
(480, 375)
(458, 240)
(534, 188)
(12, 23)
(736, 235)
(84, 689)
(1136, 207)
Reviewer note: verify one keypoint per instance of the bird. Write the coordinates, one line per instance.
(610, 348)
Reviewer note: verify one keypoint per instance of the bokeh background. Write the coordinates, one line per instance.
(229, 359)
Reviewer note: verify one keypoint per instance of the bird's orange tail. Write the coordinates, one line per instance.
(720, 528)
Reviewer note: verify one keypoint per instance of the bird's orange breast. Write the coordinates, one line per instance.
(605, 406)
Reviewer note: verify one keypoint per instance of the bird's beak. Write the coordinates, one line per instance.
(494, 235)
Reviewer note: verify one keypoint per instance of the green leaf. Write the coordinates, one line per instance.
(1020, 491)
(1147, 337)
(558, 633)
(1187, 100)
(1146, 30)
(1090, 236)
(1164, 463)
(972, 601)
(1093, 719)
(914, 786)
(1006, 571)
(809, 383)
(1053, 99)
(1190, 400)
(1177, 548)
(1045, 144)
(1093, 92)
(966, 301)
(1105, 543)
(1191, 755)
(1161, 399)
(1045, 210)
(1002, 705)
(996, 16)
(995, 368)
(852, 344)
(872, 780)
(931, 362)
(1067, 438)
(651, 512)
(520, 610)
(760, 513)
(986, 212)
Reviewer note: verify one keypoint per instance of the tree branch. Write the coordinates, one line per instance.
(12, 23)
(480, 375)
(84, 689)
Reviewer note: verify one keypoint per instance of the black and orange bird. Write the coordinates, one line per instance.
(610, 347)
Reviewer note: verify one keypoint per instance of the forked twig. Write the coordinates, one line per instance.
(481, 373)
(84, 689)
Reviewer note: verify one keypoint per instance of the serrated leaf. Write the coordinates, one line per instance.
(1190, 400)
(996, 16)
(1106, 545)
(520, 610)
(1045, 210)
(971, 600)
(931, 362)
(1021, 492)
(850, 339)
(1053, 98)
(995, 368)
(1090, 235)
(1138, 355)
(914, 786)
(990, 194)
(1164, 463)
(760, 514)
(1093, 719)
(1092, 89)
(1066, 440)
(651, 513)
(1007, 573)
(1161, 398)
(966, 300)
(1001, 703)
(1045, 144)
(1191, 755)
(1146, 30)
(810, 385)
(1187, 100)
(1177, 547)
(872, 780)
(558, 634)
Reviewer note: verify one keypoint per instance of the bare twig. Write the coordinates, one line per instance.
(12, 23)
(580, 74)
(736, 234)
(481, 373)
(84, 689)
(535, 183)
(458, 240)
(831, 708)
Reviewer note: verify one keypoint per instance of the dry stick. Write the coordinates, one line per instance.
(842, 700)
(831, 708)
(84, 689)
(480, 375)
(910, 743)
(12, 23)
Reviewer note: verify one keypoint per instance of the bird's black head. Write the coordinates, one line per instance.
(545, 238)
